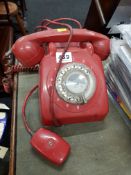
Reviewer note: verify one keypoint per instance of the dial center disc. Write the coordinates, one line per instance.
(76, 82)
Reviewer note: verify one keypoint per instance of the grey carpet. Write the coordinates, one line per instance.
(38, 10)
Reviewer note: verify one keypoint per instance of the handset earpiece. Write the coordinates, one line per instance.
(29, 53)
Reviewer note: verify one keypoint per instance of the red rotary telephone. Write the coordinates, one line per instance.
(71, 87)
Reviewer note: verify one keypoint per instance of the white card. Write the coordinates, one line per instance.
(67, 58)
(1, 129)
(3, 106)
(2, 115)
(3, 151)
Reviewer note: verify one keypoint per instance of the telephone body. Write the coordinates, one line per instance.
(88, 48)
(80, 93)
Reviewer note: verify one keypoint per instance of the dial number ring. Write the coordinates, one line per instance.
(75, 83)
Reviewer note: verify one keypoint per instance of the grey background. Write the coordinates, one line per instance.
(78, 9)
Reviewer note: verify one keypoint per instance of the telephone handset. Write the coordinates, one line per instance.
(30, 51)
(72, 86)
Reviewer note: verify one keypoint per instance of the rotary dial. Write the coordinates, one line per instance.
(75, 83)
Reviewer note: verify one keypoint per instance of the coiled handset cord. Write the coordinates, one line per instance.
(27, 127)
(46, 22)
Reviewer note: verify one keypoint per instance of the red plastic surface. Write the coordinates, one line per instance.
(94, 110)
(29, 49)
(86, 47)
(50, 145)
